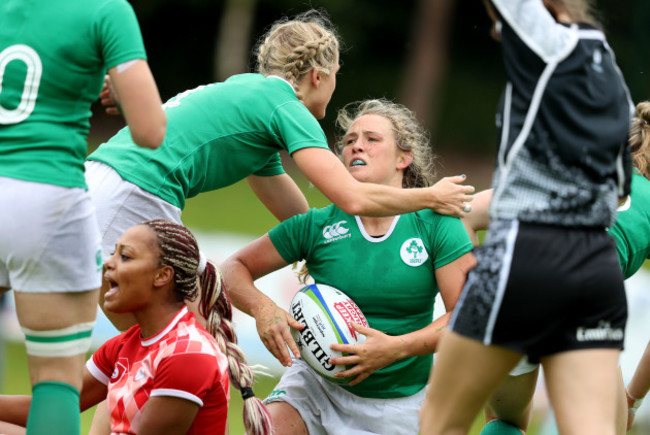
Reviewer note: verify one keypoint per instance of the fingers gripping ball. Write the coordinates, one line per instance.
(327, 314)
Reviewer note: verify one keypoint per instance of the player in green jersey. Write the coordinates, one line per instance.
(510, 408)
(221, 133)
(54, 56)
(392, 267)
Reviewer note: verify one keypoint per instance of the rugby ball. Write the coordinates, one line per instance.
(327, 314)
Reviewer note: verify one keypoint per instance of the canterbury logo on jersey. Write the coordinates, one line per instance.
(336, 232)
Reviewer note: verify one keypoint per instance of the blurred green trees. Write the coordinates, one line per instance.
(435, 56)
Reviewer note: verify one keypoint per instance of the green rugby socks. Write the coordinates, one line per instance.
(54, 410)
(498, 427)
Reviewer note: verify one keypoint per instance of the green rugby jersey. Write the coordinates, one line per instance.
(632, 227)
(53, 58)
(217, 134)
(391, 278)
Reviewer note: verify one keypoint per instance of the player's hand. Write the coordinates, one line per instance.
(630, 420)
(376, 352)
(108, 97)
(451, 197)
(273, 326)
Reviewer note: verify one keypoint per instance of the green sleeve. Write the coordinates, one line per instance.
(450, 240)
(292, 237)
(118, 32)
(297, 128)
(272, 167)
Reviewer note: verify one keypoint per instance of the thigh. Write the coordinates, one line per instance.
(286, 419)
(465, 373)
(512, 401)
(51, 312)
(583, 387)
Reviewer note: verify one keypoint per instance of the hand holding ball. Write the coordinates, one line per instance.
(327, 314)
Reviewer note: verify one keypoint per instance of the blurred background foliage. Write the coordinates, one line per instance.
(435, 56)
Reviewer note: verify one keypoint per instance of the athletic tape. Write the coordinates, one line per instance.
(70, 341)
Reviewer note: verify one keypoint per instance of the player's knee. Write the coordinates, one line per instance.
(66, 342)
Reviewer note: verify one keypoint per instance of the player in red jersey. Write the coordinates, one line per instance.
(167, 374)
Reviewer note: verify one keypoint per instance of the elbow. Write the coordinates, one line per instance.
(352, 206)
(152, 136)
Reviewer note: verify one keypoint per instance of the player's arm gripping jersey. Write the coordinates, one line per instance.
(49, 83)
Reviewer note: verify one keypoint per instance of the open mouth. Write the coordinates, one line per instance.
(112, 288)
(357, 162)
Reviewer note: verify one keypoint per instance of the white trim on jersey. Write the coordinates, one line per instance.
(592, 34)
(531, 115)
(505, 124)
(161, 334)
(369, 238)
(504, 274)
(96, 372)
(170, 392)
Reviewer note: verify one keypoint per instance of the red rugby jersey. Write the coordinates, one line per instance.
(183, 360)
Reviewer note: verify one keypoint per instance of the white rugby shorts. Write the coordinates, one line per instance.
(121, 204)
(49, 239)
(326, 408)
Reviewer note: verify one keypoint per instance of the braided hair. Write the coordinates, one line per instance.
(179, 249)
(291, 48)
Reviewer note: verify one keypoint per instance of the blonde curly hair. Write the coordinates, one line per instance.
(291, 48)
(640, 138)
(409, 135)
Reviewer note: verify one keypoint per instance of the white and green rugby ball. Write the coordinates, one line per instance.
(327, 314)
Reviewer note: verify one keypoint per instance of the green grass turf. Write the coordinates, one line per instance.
(236, 209)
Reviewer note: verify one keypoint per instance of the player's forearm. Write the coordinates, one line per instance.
(424, 341)
(279, 194)
(640, 383)
(448, 196)
(14, 409)
(243, 293)
(379, 200)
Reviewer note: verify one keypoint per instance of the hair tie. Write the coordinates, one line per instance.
(247, 393)
(203, 261)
